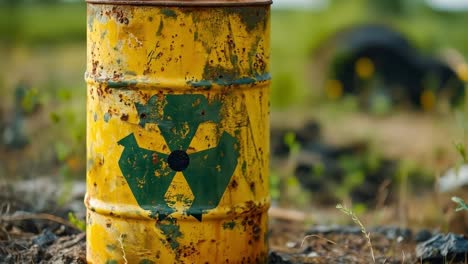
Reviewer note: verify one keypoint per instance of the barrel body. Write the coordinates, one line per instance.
(177, 132)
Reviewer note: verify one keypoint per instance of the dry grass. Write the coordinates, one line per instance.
(356, 220)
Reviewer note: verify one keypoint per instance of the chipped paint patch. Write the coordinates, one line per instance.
(251, 17)
(227, 81)
(160, 28)
(169, 12)
(229, 225)
(121, 84)
(200, 84)
(107, 117)
(111, 247)
(171, 231)
(146, 261)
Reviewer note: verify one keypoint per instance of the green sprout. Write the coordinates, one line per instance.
(462, 151)
(291, 142)
(461, 204)
(80, 224)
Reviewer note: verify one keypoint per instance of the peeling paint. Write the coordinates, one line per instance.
(146, 261)
(169, 12)
(160, 28)
(251, 17)
(171, 231)
(229, 225)
(121, 84)
(185, 153)
(107, 117)
(229, 81)
(111, 247)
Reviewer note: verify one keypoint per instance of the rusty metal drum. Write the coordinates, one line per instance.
(177, 131)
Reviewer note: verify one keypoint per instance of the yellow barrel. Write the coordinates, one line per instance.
(177, 131)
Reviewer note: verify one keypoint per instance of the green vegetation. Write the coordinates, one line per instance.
(39, 24)
(79, 224)
(462, 151)
(292, 43)
(461, 204)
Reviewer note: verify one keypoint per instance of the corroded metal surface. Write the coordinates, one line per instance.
(216, 3)
(177, 139)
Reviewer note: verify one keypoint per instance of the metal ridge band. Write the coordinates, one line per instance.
(191, 3)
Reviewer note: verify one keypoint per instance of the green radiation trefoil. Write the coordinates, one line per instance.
(208, 172)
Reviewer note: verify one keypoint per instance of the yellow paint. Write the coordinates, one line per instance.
(462, 71)
(140, 52)
(428, 100)
(334, 89)
(364, 68)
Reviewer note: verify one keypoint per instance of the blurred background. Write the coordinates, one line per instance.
(368, 106)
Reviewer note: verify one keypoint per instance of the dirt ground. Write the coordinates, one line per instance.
(47, 236)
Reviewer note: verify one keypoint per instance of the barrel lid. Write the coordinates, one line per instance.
(184, 2)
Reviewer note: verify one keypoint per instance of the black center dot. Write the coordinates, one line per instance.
(178, 160)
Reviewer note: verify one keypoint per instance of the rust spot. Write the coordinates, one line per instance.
(252, 186)
(234, 184)
(118, 14)
(124, 117)
(160, 54)
(256, 229)
(95, 64)
(155, 158)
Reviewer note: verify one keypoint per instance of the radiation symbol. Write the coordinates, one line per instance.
(208, 172)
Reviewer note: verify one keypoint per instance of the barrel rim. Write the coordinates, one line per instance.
(131, 211)
(181, 3)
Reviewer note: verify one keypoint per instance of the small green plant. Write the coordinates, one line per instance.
(291, 142)
(285, 186)
(462, 151)
(80, 224)
(461, 204)
(356, 220)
